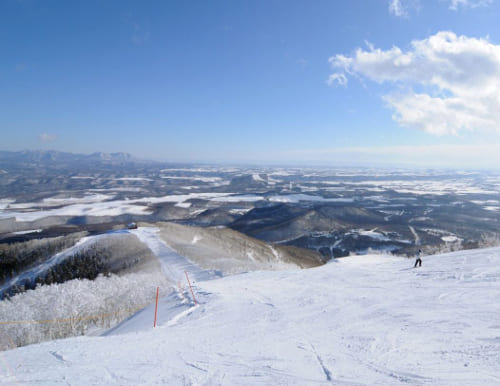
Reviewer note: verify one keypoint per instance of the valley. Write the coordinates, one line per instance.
(332, 211)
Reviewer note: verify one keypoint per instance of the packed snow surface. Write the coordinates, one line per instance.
(174, 266)
(361, 320)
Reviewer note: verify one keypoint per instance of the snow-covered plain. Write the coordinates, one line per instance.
(105, 205)
(361, 320)
(433, 187)
(100, 205)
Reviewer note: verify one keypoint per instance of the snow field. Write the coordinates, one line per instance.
(360, 320)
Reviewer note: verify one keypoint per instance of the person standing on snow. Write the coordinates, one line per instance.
(419, 260)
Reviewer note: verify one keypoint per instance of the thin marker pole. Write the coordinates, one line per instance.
(192, 293)
(156, 306)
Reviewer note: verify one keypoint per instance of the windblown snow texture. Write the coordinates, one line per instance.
(362, 320)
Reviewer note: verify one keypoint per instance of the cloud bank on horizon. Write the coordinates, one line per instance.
(444, 84)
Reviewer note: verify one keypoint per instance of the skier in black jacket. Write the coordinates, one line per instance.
(419, 260)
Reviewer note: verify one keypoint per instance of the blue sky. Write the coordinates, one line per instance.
(373, 82)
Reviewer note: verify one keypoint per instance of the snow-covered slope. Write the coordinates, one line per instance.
(370, 320)
(173, 265)
(232, 252)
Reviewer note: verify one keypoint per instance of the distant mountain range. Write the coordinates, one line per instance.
(51, 157)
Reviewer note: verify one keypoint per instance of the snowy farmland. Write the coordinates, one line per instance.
(361, 320)
(278, 205)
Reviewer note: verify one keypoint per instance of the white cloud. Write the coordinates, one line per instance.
(337, 78)
(456, 4)
(45, 137)
(403, 8)
(396, 8)
(458, 79)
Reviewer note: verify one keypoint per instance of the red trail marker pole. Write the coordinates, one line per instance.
(156, 306)
(192, 292)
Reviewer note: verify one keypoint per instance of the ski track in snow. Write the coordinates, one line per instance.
(174, 265)
(415, 234)
(360, 320)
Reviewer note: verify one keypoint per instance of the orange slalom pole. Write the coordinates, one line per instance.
(156, 306)
(192, 292)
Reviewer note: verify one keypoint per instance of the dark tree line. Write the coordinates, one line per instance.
(87, 263)
(104, 257)
(17, 257)
(84, 264)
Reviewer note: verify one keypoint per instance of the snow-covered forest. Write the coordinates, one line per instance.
(75, 307)
(93, 284)
(16, 257)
